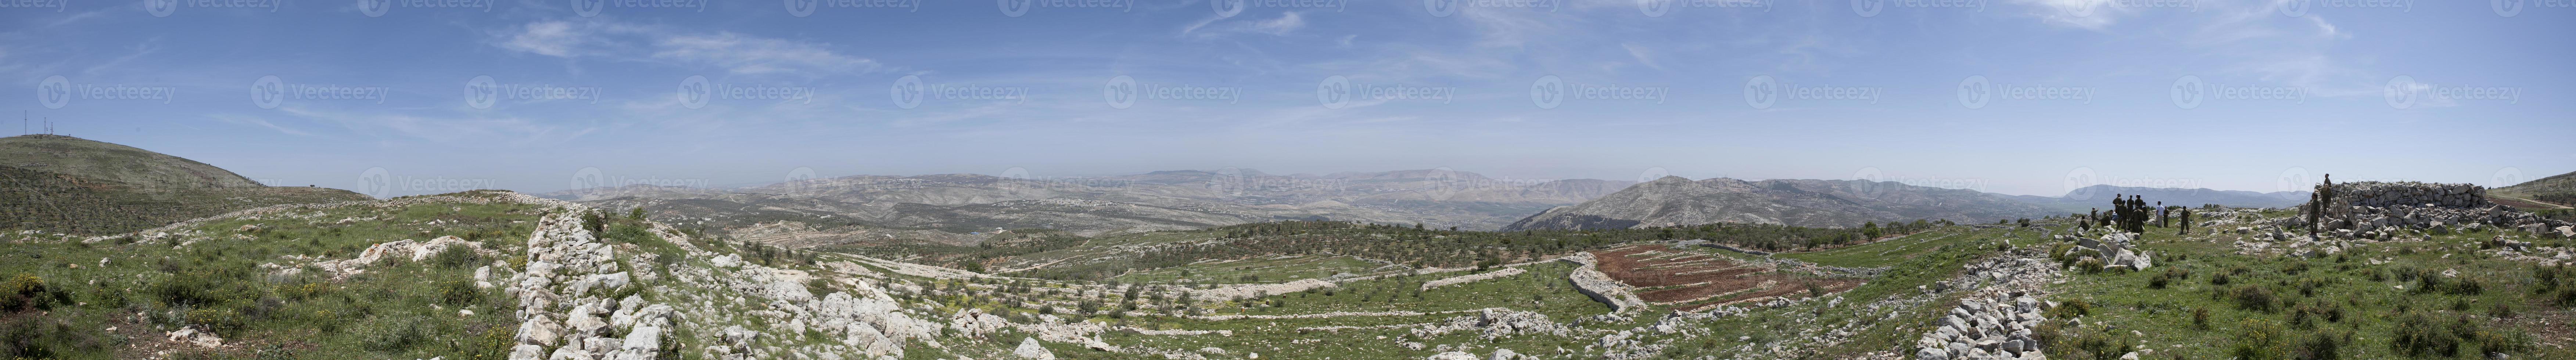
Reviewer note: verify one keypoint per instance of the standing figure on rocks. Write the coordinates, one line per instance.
(2163, 215)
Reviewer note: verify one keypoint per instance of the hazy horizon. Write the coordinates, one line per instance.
(2013, 97)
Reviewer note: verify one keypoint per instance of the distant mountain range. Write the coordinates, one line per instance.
(72, 185)
(1162, 200)
(1843, 203)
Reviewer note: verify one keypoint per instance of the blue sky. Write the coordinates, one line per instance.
(2010, 96)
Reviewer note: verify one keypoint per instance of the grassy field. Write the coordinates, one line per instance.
(144, 289)
(1272, 269)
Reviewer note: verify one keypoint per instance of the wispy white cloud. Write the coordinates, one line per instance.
(734, 53)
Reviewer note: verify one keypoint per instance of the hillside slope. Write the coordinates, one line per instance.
(2558, 189)
(71, 185)
(1674, 201)
(125, 164)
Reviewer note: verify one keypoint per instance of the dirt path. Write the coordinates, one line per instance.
(2557, 206)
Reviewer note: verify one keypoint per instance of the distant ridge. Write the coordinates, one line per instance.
(1673, 200)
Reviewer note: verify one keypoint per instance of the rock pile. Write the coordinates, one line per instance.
(1462, 279)
(564, 293)
(1997, 315)
(1591, 282)
(1496, 323)
(2115, 250)
(2374, 209)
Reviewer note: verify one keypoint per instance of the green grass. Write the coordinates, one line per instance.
(1259, 270)
(2358, 304)
(216, 282)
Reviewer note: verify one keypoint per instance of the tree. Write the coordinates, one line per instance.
(638, 214)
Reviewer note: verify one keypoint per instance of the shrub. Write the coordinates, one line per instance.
(2419, 334)
(2070, 309)
(2321, 345)
(2219, 279)
(2200, 318)
(2257, 339)
(2256, 298)
(28, 292)
(456, 257)
(460, 292)
(2157, 282)
(390, 334)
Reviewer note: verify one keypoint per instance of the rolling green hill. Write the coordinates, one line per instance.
(125, 164)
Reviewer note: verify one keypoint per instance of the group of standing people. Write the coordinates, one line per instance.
(2131, 213)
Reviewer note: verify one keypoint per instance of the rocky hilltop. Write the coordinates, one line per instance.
(1673, 201)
